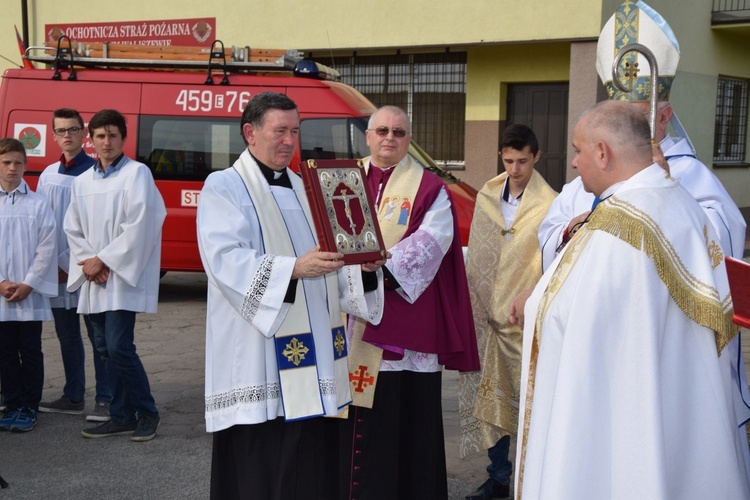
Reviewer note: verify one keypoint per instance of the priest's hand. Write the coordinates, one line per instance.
(62, 276)
(371, 267)
(516, 307)
(316, 263)
(576, 223)
(22, 291)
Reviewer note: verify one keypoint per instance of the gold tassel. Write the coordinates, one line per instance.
(691, 295)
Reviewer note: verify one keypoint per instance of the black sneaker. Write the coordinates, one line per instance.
(146, 428)
(110, 428)
(62, 405)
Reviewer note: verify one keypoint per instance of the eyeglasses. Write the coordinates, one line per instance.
(383, 132)
(60, 132)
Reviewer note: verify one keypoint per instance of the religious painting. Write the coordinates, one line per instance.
(342, 208)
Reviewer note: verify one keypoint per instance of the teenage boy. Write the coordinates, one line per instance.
(114, 226)
(503, 260)
(27, 279)
(54, 184)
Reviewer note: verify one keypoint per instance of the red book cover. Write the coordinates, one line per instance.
(342, 209)
(739, 285)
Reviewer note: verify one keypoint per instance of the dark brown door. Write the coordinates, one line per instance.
(544, 108)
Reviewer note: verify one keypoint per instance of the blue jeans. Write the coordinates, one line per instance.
(500, 467)
(113, 338)
(68, 328)
(21, 363)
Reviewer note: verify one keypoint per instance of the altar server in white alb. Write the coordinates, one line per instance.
(276, 353)
(114, 226)
(54, 184)
(28, 278)
(624, 391)
(637, 22)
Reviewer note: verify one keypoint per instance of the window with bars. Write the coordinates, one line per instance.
(730, 134)
(431, 88)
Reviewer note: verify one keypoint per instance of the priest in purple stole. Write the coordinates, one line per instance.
(394, 433)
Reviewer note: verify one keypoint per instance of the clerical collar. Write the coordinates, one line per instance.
(507, 197)
(273, 177)
(383, 169)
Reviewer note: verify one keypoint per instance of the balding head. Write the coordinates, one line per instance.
(612, 142)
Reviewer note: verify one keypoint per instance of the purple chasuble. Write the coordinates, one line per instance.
(440, 320)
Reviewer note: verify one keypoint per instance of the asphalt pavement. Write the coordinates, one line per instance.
(54, 462)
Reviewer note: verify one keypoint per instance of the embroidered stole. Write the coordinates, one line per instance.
(401, 190)
(301, 393)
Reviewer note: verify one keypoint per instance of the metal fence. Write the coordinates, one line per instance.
(431, 88)
(730, 5)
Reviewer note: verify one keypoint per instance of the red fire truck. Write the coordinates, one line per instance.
(183, 118)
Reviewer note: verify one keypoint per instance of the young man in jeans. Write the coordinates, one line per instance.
(114, 226)
(27, 279)
(54, 184)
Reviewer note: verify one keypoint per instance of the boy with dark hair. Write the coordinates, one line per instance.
(114, 226)
(519, 137)
(27, 280)
(503, 260)
(54, 184)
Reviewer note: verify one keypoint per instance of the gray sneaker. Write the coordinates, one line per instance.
(63, 405)
(146, 428)
(100, 413)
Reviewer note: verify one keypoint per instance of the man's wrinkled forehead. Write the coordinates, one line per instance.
(387, 117)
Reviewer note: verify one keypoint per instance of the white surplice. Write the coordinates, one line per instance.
(119, 219)
(56, 188)
(29, 247)
(246, 289)
(628, 395)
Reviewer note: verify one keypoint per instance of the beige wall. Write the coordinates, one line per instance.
(584, 85)
(337, 24)
(489, 71)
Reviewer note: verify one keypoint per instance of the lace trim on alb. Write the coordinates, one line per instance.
(255, 394)
(352, 300)
(257, 289)
(258, 394)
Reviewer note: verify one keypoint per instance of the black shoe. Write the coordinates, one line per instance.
(490, 490)
(146, 428)
(110, 428)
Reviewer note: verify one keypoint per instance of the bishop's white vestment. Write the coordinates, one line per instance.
(624, 393)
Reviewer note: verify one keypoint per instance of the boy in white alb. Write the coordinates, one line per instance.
(27, 279)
